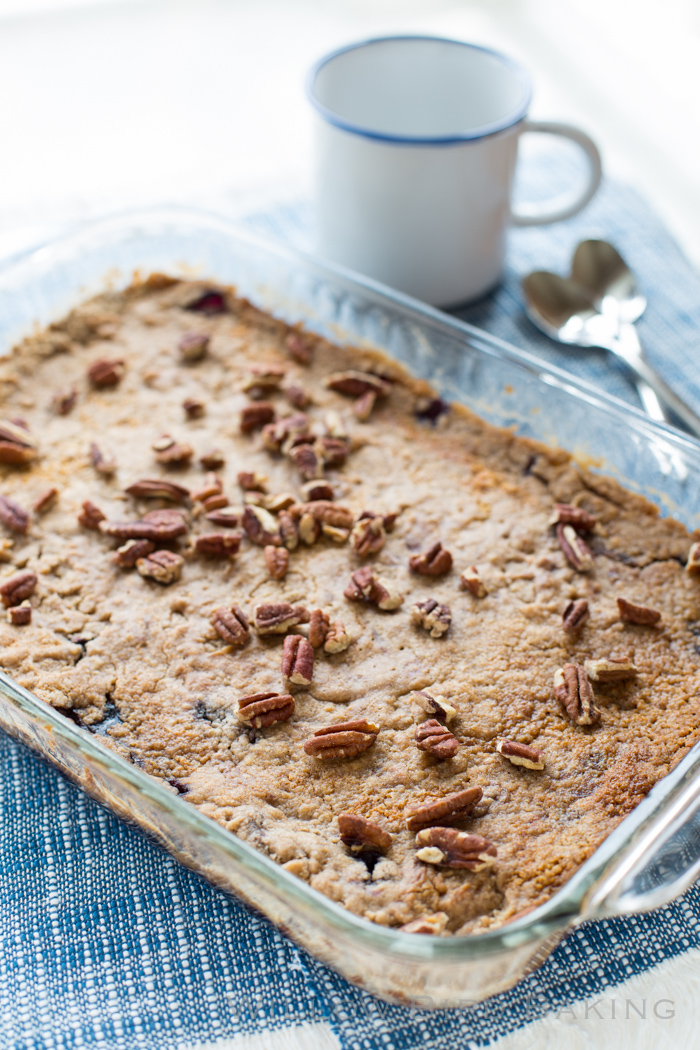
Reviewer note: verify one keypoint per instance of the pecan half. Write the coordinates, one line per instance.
(332, 452)
(17, 588)
(337, 639)
(319, 624)
(355, 384)
(160, 525)
(520, 754)
(277, 561)
(218, 544)
(162, 566)
(289, 530)
(641, 614)
(105, 465)
(446, 810)
(573, 691)
(315, 490)
(433, 924)
(231, 625)
(472, 582)
(45, 501)
(278, 617)
(90, 516)
(362, 408)
(127, 555)
(193, 346)
(297, 660)
(432, 617)
(193, 408)
(226, 517)
(454, 849)
(255, 415)
(215, 502)
(13, 517)
(609, 670)
(260, 526)
(17, 446)
(436, 740)
(358, 833)
(264, 709)
(307, 461)
(63, 401)
(343, 740)
(368, 536)
(296, 395)
(20, 615)
(567, 514)
(365, 586)
(252, 481)
(326, 512)
(158, 488)
(576, 552)
(171, 453)
(262, 380)
(106, 372)
(212, 460)
(299, 347)
(433, 562)
(575, 615)
(437, 706)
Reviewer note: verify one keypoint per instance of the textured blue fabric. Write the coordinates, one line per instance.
(106, 942)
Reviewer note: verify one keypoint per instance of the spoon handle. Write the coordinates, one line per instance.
(627, 347)
(650, 402)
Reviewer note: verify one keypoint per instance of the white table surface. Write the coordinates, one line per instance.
(114, 103)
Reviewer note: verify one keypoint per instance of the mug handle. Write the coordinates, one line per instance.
(566, 204)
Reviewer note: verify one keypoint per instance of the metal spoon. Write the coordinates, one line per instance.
(599, 313)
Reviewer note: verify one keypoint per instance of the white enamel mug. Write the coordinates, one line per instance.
(416, 146)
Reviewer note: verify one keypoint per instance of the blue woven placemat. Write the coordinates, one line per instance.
(105, 942)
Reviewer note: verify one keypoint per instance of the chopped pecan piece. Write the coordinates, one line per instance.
(12, 516)
(212, 487)
(255, 415)
(261, 710)
(364, 585)
(316, 490)
(454, 849)
(171, 453)
(20, 615)
(307, 461)
(297, 396)
(262, 380)
(261, 527)
(332, 452)
(433, 924)
(289, 530)
(334, 533)
(436, 740)
(212, 460)
(641, 614)
(358, 834)
(17, 446)
(231, 625)
(215, 502)
(90, 516)
(693, 563)
(127, 555)
(193, 346)
(446, 810)
(326, 512)
(520, 754)
(576, 552)
(276, 501)
(14, 590)
(431, 410)
(318, 628)
(337, 639)
(433, 562)
(252, 481)
(282, 435)
(362, 408)
(355, 384)
(335, 426)
(432, 617)
(158, 488)
(45, 501)
(226, 517)
(218, 544)
(162, 566)
(277, 561)
(573, 691)
(575, 615)
(368, 536)
(299, 347)
(388, 520)
(63, 401)
(106, 372)
(279, 617)
(437, 706)
(193, 408)
(160, 525)
(309, 529)
(297, 660)
(472, 582)
(567, 514)
(343, 740)
(105, 465)
(609, 670)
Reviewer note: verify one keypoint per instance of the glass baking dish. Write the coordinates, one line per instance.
(652, 856)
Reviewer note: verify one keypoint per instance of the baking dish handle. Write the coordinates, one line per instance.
(661, 863)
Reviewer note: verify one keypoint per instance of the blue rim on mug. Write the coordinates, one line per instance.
(493, 128)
